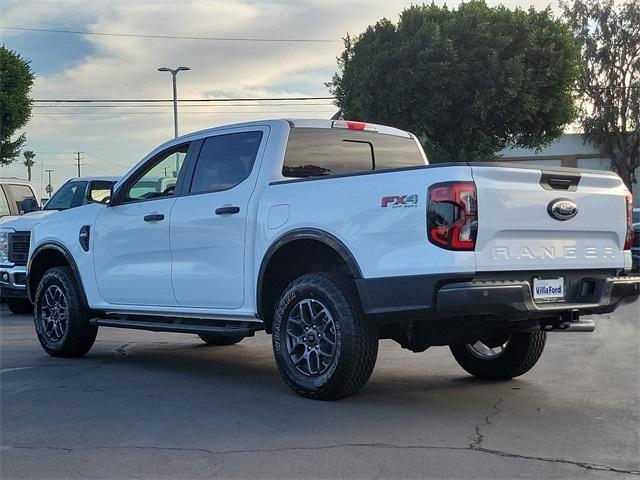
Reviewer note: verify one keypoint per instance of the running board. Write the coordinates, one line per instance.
(175, 327)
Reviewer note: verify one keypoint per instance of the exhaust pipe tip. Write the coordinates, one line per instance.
(563, 326)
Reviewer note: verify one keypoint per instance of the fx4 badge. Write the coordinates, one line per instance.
(400, 201)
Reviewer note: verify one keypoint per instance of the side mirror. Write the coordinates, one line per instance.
(29, 204)
(100, 191)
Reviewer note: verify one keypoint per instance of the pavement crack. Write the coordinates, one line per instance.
(585, 465)
(474, 448)
(477, 438)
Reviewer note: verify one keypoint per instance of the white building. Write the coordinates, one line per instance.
(570, 150)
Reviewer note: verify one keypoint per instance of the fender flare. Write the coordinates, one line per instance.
(58, 247)
(304, 234)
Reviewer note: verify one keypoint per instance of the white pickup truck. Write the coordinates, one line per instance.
(332, 235)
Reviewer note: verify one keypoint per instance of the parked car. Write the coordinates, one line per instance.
(635, 249)
(15, 233)
(331, 235)
(16, 196)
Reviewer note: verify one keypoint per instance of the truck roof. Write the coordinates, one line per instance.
(15, 181)
(295, 123)
(90, 178)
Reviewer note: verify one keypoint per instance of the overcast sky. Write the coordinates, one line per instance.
(89, 66)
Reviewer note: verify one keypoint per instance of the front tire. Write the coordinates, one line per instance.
(19, 306)
(219, 340)
(501, 358)
(61, 321)
(324, 347)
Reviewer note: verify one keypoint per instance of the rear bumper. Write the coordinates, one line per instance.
(13, 282)
(437, 296)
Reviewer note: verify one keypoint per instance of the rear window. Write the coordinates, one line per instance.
(316, 152)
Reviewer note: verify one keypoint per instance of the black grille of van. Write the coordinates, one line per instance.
(19, 247)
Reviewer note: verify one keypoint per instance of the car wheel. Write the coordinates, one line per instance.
(501, 358)
(19, 306)
(61, 321)
(219, 340)
(324, 347)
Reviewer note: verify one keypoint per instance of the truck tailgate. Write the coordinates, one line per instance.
(517, 230)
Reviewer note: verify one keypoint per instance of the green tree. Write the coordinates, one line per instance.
(16, 79)
(29, 161)
(609, 88)
(468, 82)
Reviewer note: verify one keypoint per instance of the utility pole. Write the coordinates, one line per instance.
(78, 160)
(49, 187)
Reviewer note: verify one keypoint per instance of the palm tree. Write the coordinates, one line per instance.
(29, 161)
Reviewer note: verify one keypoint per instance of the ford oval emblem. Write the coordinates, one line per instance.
(562, 209)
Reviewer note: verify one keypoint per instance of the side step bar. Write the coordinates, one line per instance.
(175, 327)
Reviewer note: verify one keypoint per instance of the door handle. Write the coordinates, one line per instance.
(154, 217)
(227, 210)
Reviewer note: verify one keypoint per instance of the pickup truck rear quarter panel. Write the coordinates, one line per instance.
(384, 241)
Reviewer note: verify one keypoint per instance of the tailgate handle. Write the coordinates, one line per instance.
(555, 181)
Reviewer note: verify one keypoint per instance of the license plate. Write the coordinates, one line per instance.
(548, 289)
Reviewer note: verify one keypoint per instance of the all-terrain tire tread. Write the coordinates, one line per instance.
(523, 352)
(80, 335)
(355, 328)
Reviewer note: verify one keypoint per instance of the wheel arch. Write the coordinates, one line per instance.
(330, 245)
(48, 255)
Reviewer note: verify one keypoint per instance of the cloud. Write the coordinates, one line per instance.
(125, 67)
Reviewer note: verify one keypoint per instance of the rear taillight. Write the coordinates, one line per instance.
(452, 217)
(628, 241)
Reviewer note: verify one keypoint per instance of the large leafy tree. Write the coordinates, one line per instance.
(16, 79)
(469, 81)
(609, 88)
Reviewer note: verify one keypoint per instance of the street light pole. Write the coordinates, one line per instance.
(174, 73)
(175, 104)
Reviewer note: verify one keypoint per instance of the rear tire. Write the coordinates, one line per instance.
(19, 306)
(219, 340)
(514, 358)
(61, 321)
(324, 347)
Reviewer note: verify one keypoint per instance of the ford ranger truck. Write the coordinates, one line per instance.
(332, 235)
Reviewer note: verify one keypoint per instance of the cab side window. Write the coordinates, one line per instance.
(159, 178)
(225, 161)
(20, 193)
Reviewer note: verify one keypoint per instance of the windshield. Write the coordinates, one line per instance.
(70, 195)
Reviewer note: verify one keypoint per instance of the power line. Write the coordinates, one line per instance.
(194, 106)
(157, 100)
(115, 114)
(176, 37)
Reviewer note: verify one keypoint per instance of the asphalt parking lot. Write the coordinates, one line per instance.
(151, 405)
